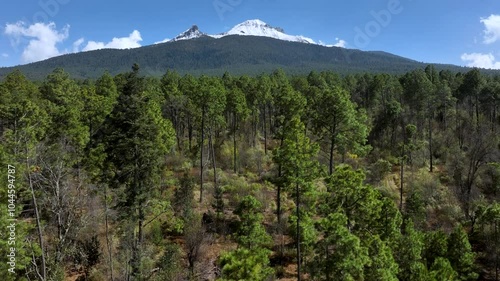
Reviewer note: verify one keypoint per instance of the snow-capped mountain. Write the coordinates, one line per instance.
(191, 33)
(259, 28)
(254, 27)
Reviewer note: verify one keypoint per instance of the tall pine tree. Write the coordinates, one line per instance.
(136, 141)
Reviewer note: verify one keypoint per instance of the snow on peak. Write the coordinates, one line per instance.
(191, 33)
(257, 27)
(253, 27)
(256, 22)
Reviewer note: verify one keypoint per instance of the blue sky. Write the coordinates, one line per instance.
(461, 32)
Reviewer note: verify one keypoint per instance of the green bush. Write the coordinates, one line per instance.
(379, 170)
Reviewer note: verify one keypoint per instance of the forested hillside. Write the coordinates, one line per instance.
(273, 177)
(250, 55)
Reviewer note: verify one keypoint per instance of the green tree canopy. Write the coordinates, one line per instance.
(460, 254)
(251, 233)
(245, 264)
(341, 255)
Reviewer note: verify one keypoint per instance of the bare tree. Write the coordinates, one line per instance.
(63, 197)
(195, 237)
(466, 165)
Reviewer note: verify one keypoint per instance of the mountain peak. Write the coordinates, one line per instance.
(253, 27)
(256, 23)
(258, 27)
(191, 33)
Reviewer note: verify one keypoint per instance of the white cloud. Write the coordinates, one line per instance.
(492, 28)
(340, 43)
(5, 55)
(481, 60)
(42, 37)
(77, 44)
(132, 41)
(162, 41)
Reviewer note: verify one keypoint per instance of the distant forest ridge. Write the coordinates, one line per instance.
(251, 55)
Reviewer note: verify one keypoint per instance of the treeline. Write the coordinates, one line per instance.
(317, 177)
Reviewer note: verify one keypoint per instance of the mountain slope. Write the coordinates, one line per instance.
(236, 54)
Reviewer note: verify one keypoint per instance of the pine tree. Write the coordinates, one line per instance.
(382, 265)
(409, 254)
(340, 254)
(442, 270)
(460, 254)
(183, 197)
(299, 169)
(210, 100)
(264, 102)
(436, 246)
(99, 102)
(65, 107)
(287, 103)
(360, 203)
(236, 107)
(388, 226)
(338, 123)
(490, 229)
(245, 264)
(251, 233)
(188, 86)
(251, 260)
(175, 107)
(136, 140)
